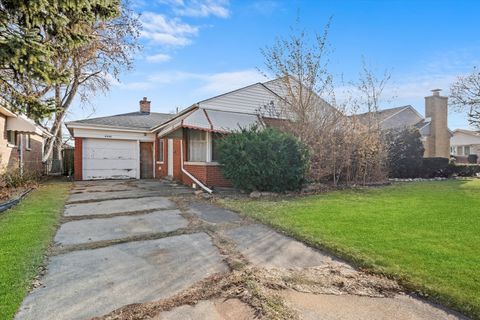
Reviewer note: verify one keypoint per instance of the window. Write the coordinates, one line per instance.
(28, 142)
(215, 141)
(466, 150)
(161, 150)
(12, 137)
(197, 146)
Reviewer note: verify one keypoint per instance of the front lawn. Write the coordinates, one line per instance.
(425, 234)
(25, 233)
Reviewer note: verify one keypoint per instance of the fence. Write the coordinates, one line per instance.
(61, 167)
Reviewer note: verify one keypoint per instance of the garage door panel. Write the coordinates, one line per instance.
(110, 159)
(103, 164)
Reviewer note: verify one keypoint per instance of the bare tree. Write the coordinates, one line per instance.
(341, 148)
(465, 95)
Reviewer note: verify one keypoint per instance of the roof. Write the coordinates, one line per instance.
(469, 132)
(20, 122)
(133, 120)
(385, 114)
(382, 114)
(211, 120)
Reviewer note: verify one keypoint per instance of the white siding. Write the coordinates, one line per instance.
(113, 134)
(245, 100)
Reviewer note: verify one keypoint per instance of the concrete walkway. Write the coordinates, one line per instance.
(151, 243)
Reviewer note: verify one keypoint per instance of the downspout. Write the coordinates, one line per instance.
(21, 154)
(189, 174)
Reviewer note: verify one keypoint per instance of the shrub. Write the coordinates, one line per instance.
(404, 153)
(472, 158)
(13, 179)
(466, 170)
(436, 167)
(263, 160)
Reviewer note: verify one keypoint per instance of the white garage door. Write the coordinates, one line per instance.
(109, 159)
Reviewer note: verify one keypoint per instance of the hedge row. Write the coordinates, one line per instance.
(441, 167)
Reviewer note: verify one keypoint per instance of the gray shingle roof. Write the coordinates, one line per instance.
(132, 120)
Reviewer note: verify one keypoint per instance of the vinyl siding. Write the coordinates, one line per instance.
(245, 100)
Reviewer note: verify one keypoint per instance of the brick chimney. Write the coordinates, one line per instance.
(437, 143)
(145, 105)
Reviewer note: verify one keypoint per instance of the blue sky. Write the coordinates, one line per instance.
(196, 49)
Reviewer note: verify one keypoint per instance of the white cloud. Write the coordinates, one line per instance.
(199, 8)
(170, 32)
(161, 57)
(209, 83)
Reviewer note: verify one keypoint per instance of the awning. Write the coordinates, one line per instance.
(23, 124)
(7, 112)
(211, 120)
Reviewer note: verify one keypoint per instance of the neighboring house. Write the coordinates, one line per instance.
(433, 127)
(464, 143)
(116, 147)
(21, 142)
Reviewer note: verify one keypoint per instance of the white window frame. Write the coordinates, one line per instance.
(161, 151)
(15, 138)
(206, 147)
(28, 142)
(208, 150)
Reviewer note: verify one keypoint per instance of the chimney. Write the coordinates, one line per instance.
(437, 143)
(145, 105)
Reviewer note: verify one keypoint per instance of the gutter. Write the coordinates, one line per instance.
(210, 191)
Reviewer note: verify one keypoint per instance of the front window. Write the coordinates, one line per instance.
(215, 142)
(28, 143)
(197, 146)
(466, 150)
(12, 137)
(161, 150)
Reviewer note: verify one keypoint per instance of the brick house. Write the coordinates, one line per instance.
(183, 146)
(21, 142)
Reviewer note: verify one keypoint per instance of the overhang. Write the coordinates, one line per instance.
(23, 124)
(210, 120)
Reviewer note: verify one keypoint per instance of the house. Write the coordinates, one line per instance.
(156, 145)
(464, 143)
(21, 141)
(433, 127)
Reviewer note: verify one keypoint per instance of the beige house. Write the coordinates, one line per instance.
(433, 127)
(21, 142)
(464, 143)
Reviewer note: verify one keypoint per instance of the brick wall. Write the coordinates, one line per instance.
(77, 159)
(8, 154)
(209, 175)
(33, 158)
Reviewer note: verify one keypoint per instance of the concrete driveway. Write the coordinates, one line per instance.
(153, 250)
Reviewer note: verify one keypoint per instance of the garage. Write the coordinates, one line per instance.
(110, 159)
(121, 146)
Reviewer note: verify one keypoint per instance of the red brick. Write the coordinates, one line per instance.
(77, 159)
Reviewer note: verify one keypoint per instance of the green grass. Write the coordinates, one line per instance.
(25, 233)
(425, 234)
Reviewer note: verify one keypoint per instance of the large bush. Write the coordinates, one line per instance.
(436, 167)
(263, 160)
(404, 153)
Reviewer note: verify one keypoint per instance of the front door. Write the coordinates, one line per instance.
(170, 157)
(146, 160)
